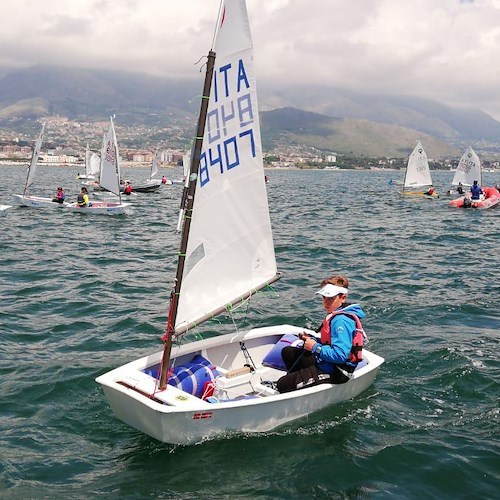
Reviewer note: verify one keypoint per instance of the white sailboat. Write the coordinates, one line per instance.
(468, 169)
(93, 184)
(153, 183)
(223, 260)
(109, 179)
(418, 174)
(26, 199)
(92, 165)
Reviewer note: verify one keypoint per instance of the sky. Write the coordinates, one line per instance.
(447, 50)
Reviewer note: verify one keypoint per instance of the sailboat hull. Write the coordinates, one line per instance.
(36, 201)
(420, 193)
(100, 207)
(3, 210)
(147, 187)
(242, 403)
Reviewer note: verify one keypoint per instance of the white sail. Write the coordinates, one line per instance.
(87, 160)
(34, 159)
(230, 249)
(468, 169)
(186, 162)
(154, 166)
(186, 165)
(110, 164)
(417, 171)
(95, 164)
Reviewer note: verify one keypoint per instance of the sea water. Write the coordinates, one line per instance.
(81, 295)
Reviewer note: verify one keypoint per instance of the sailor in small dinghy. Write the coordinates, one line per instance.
(83, 198)
(333, 357)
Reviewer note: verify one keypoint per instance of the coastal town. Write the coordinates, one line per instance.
(66, 141)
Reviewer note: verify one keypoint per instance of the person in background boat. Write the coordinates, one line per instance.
(83, 198)
(163, 180)
(332, 358)
(59, 197)
(430, 191)
(476, 191)
(128, 189)
(460, 188)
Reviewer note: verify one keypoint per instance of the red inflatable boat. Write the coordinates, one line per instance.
(491, 199)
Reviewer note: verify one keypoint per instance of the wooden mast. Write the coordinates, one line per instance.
(193, 180)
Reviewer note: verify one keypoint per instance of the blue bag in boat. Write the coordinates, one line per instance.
(273, 358)
(194, 376)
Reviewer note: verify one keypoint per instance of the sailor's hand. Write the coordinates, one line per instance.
(309, 343)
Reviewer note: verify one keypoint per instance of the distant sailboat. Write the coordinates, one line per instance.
(109, 179)
(418, 174)
(26, 199)
(153, 183)
(468, 169)
(92, 165)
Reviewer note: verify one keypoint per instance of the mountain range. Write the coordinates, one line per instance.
(330, 119)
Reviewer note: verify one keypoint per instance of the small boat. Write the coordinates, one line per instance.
(109, 180)
(3, 210)
(26, 199)
(92, 165)
(418, 175)
(190, 392)
(491, 199)
(147, 187)
(468, 170)
(153, 183)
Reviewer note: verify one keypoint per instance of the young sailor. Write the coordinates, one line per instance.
(336, 354)
(59, 197)
(83, 198)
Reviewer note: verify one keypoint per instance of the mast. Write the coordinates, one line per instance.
(193, 180)
(117, 168)
(34, 160)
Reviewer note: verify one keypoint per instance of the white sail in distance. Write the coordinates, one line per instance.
(230, 249)
(468, 169)
(417, 171)
(110, 164)
(34, 158)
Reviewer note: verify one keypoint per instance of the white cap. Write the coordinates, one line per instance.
(330, 290)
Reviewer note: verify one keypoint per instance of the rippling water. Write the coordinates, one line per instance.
(81, 295)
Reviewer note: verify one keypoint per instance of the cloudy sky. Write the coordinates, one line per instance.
(447, 50)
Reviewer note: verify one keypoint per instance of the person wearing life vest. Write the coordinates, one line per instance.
(430, 191)
(333, 357)
(128, 189)
(59, 197)
(83, 198)
(476, 191)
